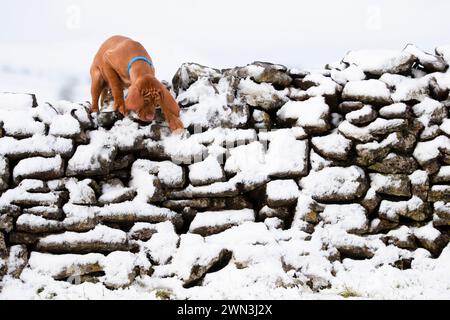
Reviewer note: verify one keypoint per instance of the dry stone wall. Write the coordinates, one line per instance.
(359, 151)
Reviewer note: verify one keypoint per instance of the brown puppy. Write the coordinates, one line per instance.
(123, 63)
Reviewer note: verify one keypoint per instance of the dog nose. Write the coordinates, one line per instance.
(148, 118)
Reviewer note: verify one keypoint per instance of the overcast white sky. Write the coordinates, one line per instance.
(58, 38)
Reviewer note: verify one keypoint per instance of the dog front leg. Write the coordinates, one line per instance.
(116, 89)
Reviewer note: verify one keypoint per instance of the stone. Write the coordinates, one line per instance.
(427, 153)
(48, 212)
(349, 106)
(306, 210)
(3, 249)
(396, 110)
(100, 239)
(27, 199)
(81, 192)
(311, 114)
(391, 184)
(212, 222)
(192, 266)
(261, 95)
(188, 73)
(206, 172)
(378, 225)
(39, 168)
(120, 269)
(378, 62)
(431, 239)
(6, 223)
(35, 224)
(286, 156)
(420, 184)
(335, 184)
(367, 91)
(439, 193)
(281, 193)
(63, 266)
(270, 73)
(371, 200)
(362, 116)
(10, 210)
(441, 215)
(402, 237)
(414, 209)
(17, 260)
(114, 191)
(442, 176)
(23, 238)
(37, 145)
(379, 127)
(333, 146)
(261, 119)
(4, 173)
(395, 164)
(142, 231)
(430, 62)
(280, 212)
(136, 211)
(350, 217)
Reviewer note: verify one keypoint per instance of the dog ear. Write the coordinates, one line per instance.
(170, 108)
(134, 100)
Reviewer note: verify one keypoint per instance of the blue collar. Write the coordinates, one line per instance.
(130, 64)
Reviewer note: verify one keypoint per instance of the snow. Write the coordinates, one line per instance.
(445, 126)
(162, 244)
(118, 266)
(378, 61)
(308, 113)
(282, 190)
(80, 191)
(113, 190)
(15, 101)
(365, 134)
(32, 220)
(20, 123)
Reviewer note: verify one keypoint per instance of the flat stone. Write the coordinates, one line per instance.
(391, 184)
(142, 231)
(37, 145)
(362, 116)
(35, 224)
(402, 237)
(212, 222)
(279, 212)
(395, 164)
(48, 212)
(100, 239)
(420, 184)
(281, 193)
(367, 91)
(431, 239)
(206, 172)
(335, 184)
(439, 193)
(333, 146)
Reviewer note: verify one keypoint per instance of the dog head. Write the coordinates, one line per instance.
(144, 96)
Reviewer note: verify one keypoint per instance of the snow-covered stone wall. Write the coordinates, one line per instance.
(293, 169)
